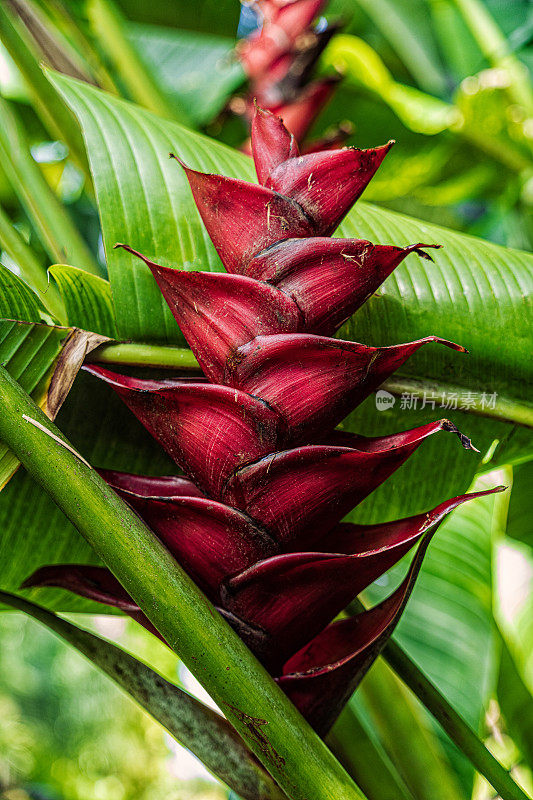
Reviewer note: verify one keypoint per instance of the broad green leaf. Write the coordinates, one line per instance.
(202, 730)
(87, 299)
(447, 628)
(520, 518)
(44, 359)
(516, 703)
(204, 15)
(17, 300)
(199, 70)
(423, 765)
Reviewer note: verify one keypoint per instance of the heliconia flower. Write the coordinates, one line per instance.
(313, 382)
(317, 485)
(257, 518)
(282, 26)
(272, 143)
(279, 60)
(329, 279)
(293, 596)
(243, 218)
(309, 180)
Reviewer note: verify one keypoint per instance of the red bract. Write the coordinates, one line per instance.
(257, 521)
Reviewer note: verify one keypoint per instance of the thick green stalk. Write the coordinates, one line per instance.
(30, 269)
(266, 719)
(51, 219)
(55, 115)
(459, 732)
(204, 732)
(135, 354)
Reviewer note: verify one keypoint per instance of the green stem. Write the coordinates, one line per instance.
(55, 228)
(145, 355)
(459, 732)
(261, 713)
(30, 269)
(55, 115)
(200, 729)
(501, 408)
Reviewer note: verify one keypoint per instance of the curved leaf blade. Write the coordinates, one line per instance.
(87, 298)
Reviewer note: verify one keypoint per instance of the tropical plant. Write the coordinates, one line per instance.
(256, 527)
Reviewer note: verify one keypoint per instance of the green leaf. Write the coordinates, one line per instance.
(44, 359)
(406, 26)
(514, 603)
(51, 220)
(56, 117)
(423, 764)
(367, 762)
(30, 270)
(203, 731)
(17, 300)
(516, 703)
(87, 298)
(199, 70)
(204, 15)
(109, 28)
(520, 518)
(447, 628)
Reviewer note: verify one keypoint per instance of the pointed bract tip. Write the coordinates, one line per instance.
(447, 425)
(446, 342)
(420, 250)
(180, 162)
